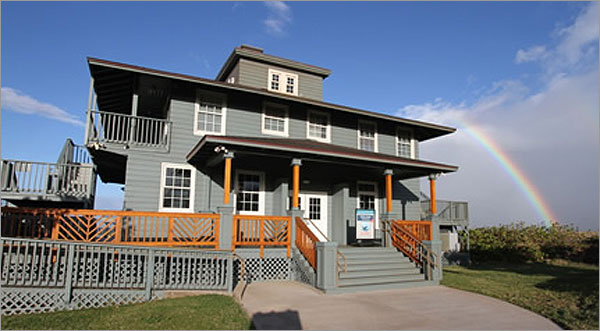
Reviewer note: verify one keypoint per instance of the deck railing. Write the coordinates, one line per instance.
(114, 227)
(261, 232)
(305, 241)
(47, 275)
(407, 237)
(447, 210)
(73, 153)
(128, 130)
(41, 178)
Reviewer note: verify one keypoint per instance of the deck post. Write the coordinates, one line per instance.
(149, 273)
(293, 213)
(296, 163)
(388, 189)
(225, 226)
(327, 265)
(432, 206)
(69, 274)
(227, 178)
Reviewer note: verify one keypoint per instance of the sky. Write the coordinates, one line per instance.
(519, 81)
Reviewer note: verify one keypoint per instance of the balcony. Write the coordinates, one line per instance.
(41, 183)
(107, 129)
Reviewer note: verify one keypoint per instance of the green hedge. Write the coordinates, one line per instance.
(532, 243)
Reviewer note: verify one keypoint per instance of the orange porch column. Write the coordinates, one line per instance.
(432, 205)
(227, 177)
(296, 163)
(388, 189)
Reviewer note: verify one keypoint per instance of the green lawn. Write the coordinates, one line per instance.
(566, 293)
(205, 312)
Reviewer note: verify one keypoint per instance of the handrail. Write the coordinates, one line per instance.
(261, 231)
(113, 227)
(418, 252)
(339, 254)
(305, 241)
(125, 129)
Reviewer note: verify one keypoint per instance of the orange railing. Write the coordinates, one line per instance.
(407, 236)
(422, 230)
(116, 227)
(305, 241)
(261, 231)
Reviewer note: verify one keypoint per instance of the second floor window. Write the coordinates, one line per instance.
(275, 120)
(210, 114)
(282, 82)
(404, 143)
(367, 136)
(318, 126)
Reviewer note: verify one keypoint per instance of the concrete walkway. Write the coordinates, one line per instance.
(292, 305)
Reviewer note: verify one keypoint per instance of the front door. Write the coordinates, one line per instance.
(315, 209)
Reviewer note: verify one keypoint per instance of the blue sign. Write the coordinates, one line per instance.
(365, 224)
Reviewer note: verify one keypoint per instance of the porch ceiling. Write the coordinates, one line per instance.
(204, 154)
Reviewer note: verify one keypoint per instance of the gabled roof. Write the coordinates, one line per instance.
(281, 147)
(423, 130)
(256, 54)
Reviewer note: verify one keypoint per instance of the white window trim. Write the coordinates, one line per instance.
(377, 199)
(223, 97)
(412, 142)
(327, 130)
(163, 173)
(261, 192)
(283, 75)
(376, 142)
(285, 120)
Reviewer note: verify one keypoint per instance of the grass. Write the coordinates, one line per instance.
(565, 292)
(205, 312)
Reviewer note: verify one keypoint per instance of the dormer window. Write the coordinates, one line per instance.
(283, 82)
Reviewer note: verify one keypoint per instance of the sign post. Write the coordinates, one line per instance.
(365, 224)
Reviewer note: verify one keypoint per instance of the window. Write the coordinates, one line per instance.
(249, 192)
(314, 208)
(367, 136)
(210, 114)
(404, 146)
(318, 127)
(177, 184)
(275, 119)
(283, 82)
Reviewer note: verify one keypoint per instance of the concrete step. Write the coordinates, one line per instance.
(389, 258)
(380, 266)
(365, 250)
(380, 280)
(378, 287)
(376, 261)
(378, 273)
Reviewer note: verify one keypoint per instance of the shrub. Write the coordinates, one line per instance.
(532, 243)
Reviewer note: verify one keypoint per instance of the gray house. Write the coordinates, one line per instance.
(259, 141)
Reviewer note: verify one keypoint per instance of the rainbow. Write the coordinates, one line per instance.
(534, 197)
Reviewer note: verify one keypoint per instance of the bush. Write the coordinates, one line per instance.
(532, 243)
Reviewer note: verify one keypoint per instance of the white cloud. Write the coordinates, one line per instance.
(533, 53)
(280, 16)
(18, 102)
(552, 135)
(576, 44)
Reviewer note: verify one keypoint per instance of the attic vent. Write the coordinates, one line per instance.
(251, 48)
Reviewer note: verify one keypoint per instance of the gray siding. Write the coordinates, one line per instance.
(255, 74)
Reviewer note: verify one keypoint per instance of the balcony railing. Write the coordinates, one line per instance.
(29, 179)
(127, 130)
(72, 153)
(452, 211)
